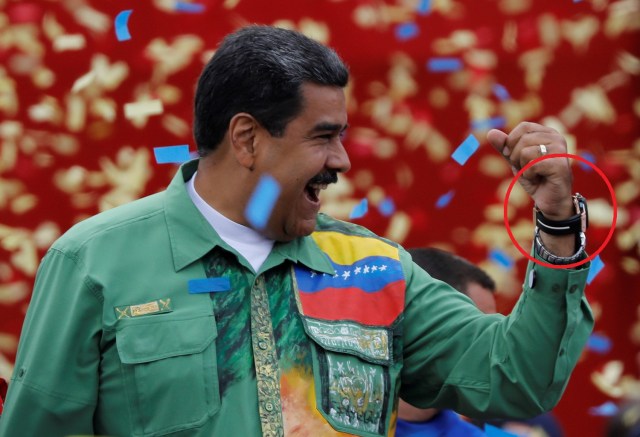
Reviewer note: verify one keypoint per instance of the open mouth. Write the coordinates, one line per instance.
(313, 191)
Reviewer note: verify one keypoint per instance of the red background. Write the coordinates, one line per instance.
(588, 90)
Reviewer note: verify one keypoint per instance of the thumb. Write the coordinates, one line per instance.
(497, 139)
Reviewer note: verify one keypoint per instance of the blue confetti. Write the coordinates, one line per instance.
(599, 343)
(596, 267)
(387, 207)
(466, 150)
(445, 199)
(407, 31)
(191, 8)
(209, 285)
(262, 201)
(424, 7)
(172, 154)
(121, 25)
(501, 92)
(501, 258)
(489, 123)
(589, 157)
(608, 409)
(438, 65)
(359, 210)
(493, 431)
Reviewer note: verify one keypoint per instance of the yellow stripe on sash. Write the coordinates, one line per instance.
(347, 249)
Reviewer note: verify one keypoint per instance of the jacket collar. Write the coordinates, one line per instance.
(192, 237)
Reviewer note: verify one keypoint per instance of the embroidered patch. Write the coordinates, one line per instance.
(355, 396)
(154, 307)
(367, 342)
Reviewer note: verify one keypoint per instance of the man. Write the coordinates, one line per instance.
(473, 282)
(173, 314)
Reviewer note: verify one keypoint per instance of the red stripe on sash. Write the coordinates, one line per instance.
(380, 308)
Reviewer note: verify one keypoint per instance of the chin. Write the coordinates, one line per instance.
(300, 229)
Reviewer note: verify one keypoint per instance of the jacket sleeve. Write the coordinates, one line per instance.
(53, 389)
(489, 365)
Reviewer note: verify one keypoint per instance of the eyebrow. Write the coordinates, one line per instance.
(330, 127)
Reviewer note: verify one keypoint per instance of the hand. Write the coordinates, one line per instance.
(549, 181)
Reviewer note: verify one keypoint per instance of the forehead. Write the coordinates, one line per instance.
(322, 104)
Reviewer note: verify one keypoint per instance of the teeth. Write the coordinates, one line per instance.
(319, 187)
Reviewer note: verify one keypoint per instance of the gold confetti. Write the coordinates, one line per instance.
(88, 16)
(549, 30)
(458, 41)
(632, 267)
(76, 113)
(51, 27)
(385, 148)
(534, 62)
(42, 77)
(143, 109)
(627, 192)
(23, 203)
(48, 110)
(13, 292)
(314, 29)
(399, 227)
(63, 43)
(438, 98)
(580, 32)
(494, 166)
(607, 380)
(45, 234)
(623, 16)
(514, 7)
(594, 104)
(83, 81)
(510, 36)
(176, 125)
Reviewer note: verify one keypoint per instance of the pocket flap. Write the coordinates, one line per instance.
(145, 342)
(371, 343)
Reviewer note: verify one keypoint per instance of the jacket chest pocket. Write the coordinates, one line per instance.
(170, 372)
(355, 376)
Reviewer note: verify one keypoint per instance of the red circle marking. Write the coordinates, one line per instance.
(613, 199)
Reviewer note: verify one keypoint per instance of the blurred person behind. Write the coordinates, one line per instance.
(476, 284)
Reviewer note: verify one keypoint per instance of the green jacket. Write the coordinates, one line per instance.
(322, 339)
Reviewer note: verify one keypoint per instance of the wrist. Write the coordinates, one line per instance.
(576, 222)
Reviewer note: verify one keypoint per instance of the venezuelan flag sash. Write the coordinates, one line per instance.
(368, 285)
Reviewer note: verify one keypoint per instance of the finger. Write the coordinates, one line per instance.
(497, 139)
(531, 142)
(525, 129)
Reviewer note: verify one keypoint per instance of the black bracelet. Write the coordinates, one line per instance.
(573, 225)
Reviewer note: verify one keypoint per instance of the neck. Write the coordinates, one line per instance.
(223, 185)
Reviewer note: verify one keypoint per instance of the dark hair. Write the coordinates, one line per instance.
(260, 70)
(452, 269)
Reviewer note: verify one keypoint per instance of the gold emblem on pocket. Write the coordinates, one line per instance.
(155, 307)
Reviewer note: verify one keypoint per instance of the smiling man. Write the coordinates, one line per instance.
(173, 315)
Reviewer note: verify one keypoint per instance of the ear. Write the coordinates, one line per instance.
(242, 133)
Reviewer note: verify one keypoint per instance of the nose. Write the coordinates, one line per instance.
(338, 158)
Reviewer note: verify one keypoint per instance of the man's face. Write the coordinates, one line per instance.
(305, 160)
(482, 297)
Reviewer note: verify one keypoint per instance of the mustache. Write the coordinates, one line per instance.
(325, 178)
